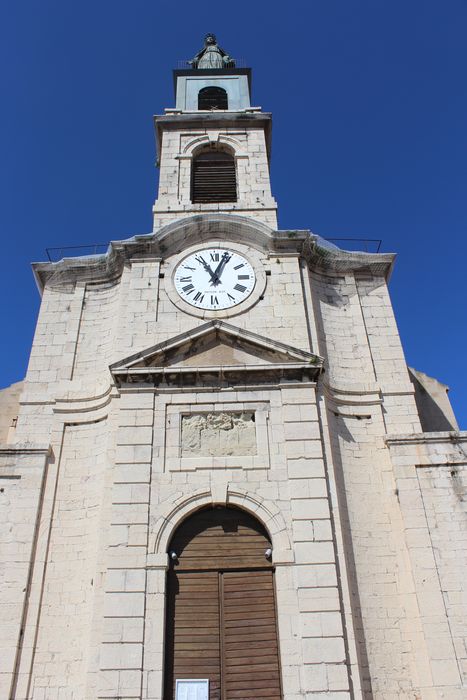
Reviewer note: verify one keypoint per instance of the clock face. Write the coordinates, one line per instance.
(214, 279)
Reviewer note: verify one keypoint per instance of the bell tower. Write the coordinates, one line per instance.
(213, 147)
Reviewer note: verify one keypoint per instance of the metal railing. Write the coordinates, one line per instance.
(370, 245)
(56, 254)
(183, 64)
(367, 245)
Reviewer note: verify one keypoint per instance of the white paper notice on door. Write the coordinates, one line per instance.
(192, 689)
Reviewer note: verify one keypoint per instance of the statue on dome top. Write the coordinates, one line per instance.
(211, 56)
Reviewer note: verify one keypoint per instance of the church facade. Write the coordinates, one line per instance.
(222, 481)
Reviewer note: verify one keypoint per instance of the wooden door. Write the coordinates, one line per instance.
(221, 614)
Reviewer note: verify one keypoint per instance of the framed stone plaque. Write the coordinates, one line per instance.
(192, 689)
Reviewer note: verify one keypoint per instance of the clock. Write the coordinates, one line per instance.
(214, 278)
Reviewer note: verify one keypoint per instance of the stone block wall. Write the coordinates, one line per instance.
(100, 574)
(390, 368)
(388, 631)
(22, 478)
(52, 358)
(434, 407)
(9, 409)
(366, 392)
(156, 486)
(62, 656)
(122, 629)
(96, 334)
(107, 322)
(365, 528)
(431, 478)
(248, 145)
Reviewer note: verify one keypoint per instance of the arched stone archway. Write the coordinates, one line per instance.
(221, 624)
(180, 507)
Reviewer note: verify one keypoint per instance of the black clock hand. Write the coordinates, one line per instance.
(207, 268)
(220, 268)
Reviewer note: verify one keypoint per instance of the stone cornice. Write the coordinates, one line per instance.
(199, 228)
(452, 436)
(426, 450)
(352, 394)
(70, 401)
(214, 120)
(271, 386)
(320, 254)
(25, 448)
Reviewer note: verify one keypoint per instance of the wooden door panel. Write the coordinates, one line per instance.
(220, 538)
(250, 659)
(193, 623)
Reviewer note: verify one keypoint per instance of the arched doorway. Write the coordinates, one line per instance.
(221, 612)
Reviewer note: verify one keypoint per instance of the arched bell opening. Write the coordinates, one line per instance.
(213, 98)
(221, 621)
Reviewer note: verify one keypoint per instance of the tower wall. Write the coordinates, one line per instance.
(180, 143)
(189, 84)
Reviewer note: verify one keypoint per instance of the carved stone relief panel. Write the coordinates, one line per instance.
(218, 434)
(215, 435)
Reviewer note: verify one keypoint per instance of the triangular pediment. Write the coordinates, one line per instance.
(215, 347)
(217, 353)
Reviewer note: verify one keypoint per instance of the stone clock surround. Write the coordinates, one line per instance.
(253, 256)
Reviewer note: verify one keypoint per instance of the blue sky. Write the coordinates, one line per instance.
(369, 103)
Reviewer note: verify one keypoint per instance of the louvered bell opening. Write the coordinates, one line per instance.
(212, 98)
(213, 178)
